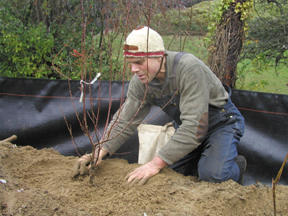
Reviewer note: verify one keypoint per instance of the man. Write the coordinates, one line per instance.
(189, 92)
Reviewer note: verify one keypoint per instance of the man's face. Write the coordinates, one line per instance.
(144, 68)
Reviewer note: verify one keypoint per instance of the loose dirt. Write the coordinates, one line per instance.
(39, 182)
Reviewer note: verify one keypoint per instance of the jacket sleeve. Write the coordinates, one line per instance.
(194, 102)
(128, 117)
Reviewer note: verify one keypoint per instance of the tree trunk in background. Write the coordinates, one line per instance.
(224, 53)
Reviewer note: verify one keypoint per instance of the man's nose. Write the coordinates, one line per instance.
(134, 68)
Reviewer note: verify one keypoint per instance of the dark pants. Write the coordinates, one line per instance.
(213, 160)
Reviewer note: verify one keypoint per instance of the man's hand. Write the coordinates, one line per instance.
(82, 165)
(146, 171)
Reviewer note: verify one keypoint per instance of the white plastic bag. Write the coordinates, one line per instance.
(151, 139)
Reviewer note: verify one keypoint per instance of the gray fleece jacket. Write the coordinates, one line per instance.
(190, 88)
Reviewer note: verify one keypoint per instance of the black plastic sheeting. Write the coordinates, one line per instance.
(35, 110)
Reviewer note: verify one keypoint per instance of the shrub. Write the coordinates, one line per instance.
(25, 51)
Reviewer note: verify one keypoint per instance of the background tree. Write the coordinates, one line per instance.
(268, 32)
(227, 40)
(34, 31)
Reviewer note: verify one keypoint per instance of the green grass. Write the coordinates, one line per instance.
(262, 77)
(191, 44)
(252, 76)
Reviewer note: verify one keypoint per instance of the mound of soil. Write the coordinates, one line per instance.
(39, 182)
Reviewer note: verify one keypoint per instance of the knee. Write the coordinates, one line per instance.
(215, 175)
